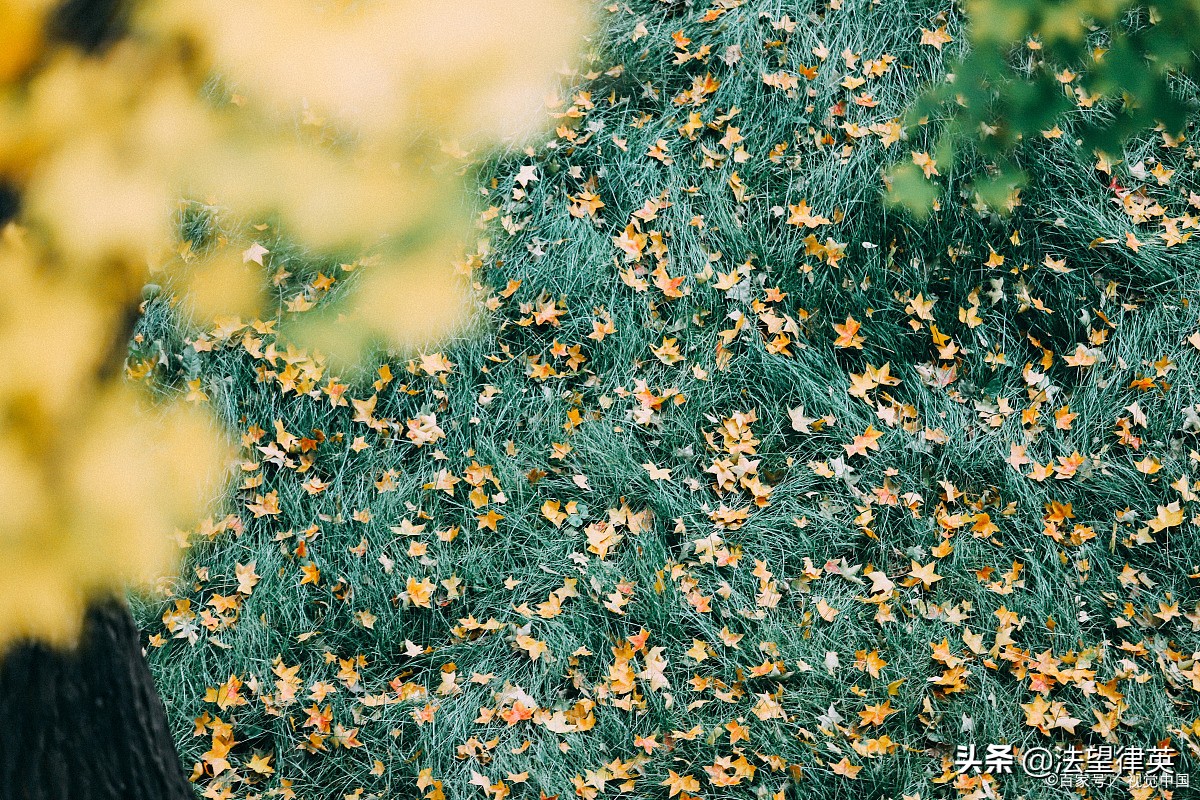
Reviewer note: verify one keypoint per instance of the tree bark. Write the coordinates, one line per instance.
(86, 724)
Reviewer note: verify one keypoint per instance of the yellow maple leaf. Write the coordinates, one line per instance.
(875, 714)
(926, 163)
(680, 783)
(1168, 516)
(419, 592)
(924, 574)
(534, 648)
(848, 334)
(936, 38)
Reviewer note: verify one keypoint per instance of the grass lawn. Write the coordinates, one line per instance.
(744, 485)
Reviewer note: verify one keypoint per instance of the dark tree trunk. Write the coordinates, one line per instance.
(86, 724)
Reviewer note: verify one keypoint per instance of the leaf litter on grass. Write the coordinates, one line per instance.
(748, 486)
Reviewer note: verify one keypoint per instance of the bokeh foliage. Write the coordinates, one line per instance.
(333, 120)
(1098, 71)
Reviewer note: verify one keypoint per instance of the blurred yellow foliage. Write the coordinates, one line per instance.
(340, 117)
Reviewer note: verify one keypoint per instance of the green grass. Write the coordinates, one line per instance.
(945, 454)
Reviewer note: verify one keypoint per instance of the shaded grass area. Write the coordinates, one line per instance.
(1062, 589)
